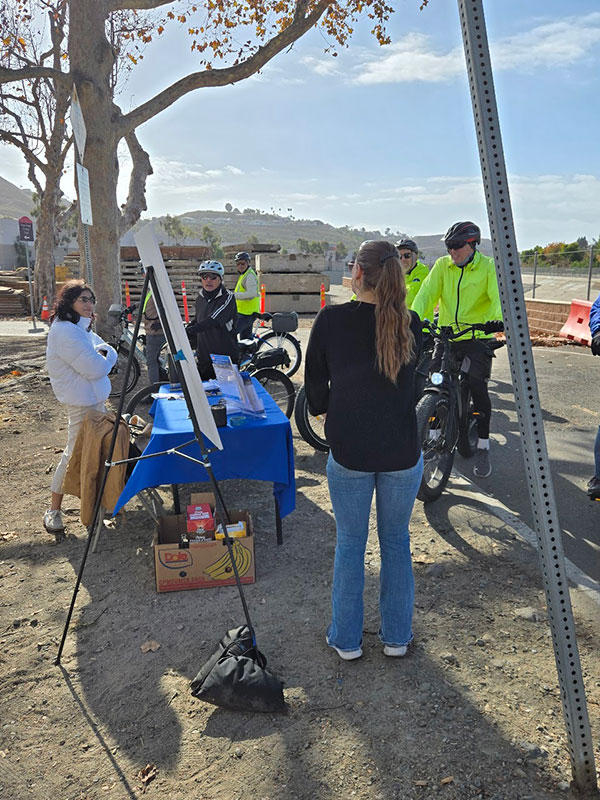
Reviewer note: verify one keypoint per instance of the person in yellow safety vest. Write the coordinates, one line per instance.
(246, 295)
(155, 337)
(415, 271)
(465, 286)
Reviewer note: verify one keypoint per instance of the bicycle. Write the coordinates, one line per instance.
(280, 335)
(312, 429)
(264, 366)
(446, 419)
(122, 342)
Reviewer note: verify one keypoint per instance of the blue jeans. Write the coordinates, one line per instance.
(351, 495)
(597, 454)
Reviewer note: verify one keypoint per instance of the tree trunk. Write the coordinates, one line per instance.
(45, 284)
(91, 60)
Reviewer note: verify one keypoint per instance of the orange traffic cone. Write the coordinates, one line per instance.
(322, 295)
(45, 312)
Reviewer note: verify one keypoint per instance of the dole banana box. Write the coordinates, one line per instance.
(202, 564)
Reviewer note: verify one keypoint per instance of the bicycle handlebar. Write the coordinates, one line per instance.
(493, 326)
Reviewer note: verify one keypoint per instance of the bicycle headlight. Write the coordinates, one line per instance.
(437, 378)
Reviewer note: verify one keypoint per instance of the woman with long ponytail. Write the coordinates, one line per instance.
(360, 366)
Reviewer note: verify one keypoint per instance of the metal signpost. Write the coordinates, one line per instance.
(537, 467)
(26, 236)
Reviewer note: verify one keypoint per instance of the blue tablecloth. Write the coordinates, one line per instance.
(260, 449)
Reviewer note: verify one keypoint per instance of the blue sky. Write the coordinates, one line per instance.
(383, 136)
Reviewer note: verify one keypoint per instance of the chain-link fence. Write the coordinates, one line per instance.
(549, 274)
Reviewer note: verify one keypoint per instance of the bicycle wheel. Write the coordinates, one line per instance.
(279, 386)
(311, 429)
(141, 400)
(467, 435)
(117, 373)
(438, 443)
(290, 344)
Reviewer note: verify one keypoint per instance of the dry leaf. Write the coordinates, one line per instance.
(146, 775)
(421, 783)
(446, 781)
(150, 645)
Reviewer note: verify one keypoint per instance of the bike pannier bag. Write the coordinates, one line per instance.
(275, 357)
(284, 321)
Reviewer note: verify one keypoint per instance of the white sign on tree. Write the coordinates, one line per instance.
(83, 193)
(78, 124)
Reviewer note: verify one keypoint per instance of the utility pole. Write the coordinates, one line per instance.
(520, 355)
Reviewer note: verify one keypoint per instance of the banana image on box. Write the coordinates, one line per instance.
(222, 569)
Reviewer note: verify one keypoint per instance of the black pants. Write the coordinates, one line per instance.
(476, 358)
(244, 325)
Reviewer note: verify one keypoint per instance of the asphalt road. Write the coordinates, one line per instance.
(568, 380)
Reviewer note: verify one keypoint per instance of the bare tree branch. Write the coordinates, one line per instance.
(10, 138)
(8, 75)
(228, 75)
(136, 5)
(141, 168)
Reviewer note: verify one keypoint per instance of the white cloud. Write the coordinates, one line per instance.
(556, 44)
(411, 60)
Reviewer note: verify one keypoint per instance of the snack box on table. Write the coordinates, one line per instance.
(202, 564)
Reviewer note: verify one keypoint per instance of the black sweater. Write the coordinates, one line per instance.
(371, 424)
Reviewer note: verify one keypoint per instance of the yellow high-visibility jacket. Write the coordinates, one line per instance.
(465, 295)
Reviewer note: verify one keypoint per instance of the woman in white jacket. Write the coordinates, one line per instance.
(78, 363)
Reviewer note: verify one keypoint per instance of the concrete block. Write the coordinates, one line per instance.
(301, 303)
(275, 262)
(293, 282)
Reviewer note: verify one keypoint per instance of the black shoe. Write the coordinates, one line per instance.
(593, 488)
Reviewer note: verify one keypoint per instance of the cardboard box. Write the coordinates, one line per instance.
(202, 565)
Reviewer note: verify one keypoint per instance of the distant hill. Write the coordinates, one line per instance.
(14, 202)
(235, 228)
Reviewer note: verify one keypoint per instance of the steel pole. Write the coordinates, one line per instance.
(35, 329)
(590, 267)
(520, 354)
(535, 262)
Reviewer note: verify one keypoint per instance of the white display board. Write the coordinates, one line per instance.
(150, 256)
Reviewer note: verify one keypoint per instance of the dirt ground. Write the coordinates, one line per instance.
(473, 711)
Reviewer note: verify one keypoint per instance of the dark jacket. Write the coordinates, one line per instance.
(215, 328)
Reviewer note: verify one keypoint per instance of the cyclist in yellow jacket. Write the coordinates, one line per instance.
(246, 295)
(415, 271)
(465, 286)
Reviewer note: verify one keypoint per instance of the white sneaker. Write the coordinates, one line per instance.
(347, 655)
(53, 521)
(394, 652)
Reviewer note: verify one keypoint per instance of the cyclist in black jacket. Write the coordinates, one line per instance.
(214, 325)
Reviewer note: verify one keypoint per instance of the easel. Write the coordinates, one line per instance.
(221, 511)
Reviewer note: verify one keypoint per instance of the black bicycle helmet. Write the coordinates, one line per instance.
(461, 233)
(407, 244)
(243, 256)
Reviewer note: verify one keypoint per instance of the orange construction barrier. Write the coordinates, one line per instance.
(128, 301)
(322, 295)
(45, 312)
(186, 313)
(577, 326)
(263, 293)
